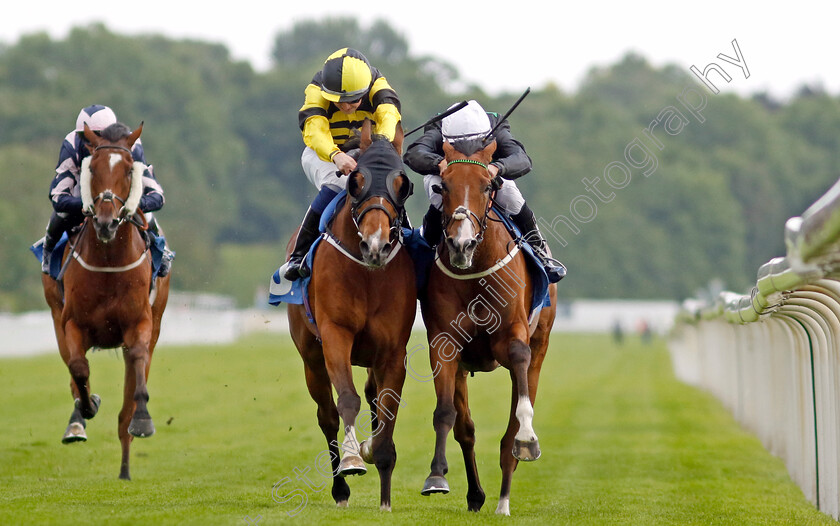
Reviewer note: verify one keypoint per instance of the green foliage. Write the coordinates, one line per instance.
(226, 146)
(623, 442)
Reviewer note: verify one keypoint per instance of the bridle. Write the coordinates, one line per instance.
(124, 215)
(461, 213)
(371, 191)
(108, 196)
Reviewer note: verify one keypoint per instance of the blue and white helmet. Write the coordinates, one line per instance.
(97, 117)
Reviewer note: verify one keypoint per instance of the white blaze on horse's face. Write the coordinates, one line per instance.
(114, 159)
(466, 232)
(463, 242)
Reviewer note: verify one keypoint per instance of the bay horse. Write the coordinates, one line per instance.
(476, 310)
(104, 298)
(363, 298)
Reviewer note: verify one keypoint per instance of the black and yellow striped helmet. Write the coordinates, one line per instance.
(346, 76)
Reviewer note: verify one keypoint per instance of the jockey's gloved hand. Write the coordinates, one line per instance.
(497, 182)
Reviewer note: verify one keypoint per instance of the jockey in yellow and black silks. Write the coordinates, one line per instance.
(345, 92)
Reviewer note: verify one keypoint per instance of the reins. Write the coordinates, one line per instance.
(75, 254)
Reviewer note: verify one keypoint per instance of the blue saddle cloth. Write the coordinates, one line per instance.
(280, 290)
(539, 277)
(157, 247)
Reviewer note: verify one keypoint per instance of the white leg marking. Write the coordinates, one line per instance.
(504, 506)
(350, 446)
(525, 415)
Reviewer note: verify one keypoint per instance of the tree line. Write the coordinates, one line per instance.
(225, 144)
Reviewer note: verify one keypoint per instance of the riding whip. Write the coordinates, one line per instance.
(440, 116)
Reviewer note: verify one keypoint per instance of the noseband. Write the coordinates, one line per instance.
(108, 196)
(461, 213)
(358, 211)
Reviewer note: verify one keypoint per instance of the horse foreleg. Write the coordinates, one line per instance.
(318, 383)
(337, 344)
(387, 402)
(134, 419)
(124, 418)
(75, 431)
(443, 420)
(519, 441)
(79, 368)
(464, 432)
(370, 397)
(137, 362)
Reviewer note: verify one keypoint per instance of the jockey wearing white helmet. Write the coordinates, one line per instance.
(65, 191)
(467, 130)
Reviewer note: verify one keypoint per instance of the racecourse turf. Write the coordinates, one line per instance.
(623, 442)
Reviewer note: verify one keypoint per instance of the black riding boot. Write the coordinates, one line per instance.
(306, 236)
(527, 224)
(433, 225)
(168, 255)
(55, 228)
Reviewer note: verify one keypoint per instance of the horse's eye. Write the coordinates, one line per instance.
(488, 189)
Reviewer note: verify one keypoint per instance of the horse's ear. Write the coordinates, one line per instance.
(135, 135)
(448, 150)
(403, 188)
(398, 138)
(366, 134)
(355, 184)
(487, 152)
(91, 137)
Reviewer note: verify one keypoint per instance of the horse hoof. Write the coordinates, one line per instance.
(95, 401)
(89, 412)
(75, 432)
(366, 451)
(435, 484)
(141, 427)
(341, 504)
(351, 465)
(385, 507)
(526, 451)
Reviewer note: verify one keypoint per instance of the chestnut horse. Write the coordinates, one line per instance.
(476, 312)
(363, 298)
(106, 299)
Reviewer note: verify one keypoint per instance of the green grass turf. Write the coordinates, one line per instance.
(623, 442)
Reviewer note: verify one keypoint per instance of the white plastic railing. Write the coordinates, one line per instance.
(773, 356)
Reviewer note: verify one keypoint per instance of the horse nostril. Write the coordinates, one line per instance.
(386, 248)
(471, 245)
(364, 247)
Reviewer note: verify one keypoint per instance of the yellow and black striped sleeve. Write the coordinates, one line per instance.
(386, 104)
(315, 125)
